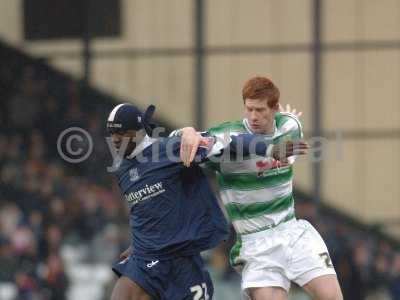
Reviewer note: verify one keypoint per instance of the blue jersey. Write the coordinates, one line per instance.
(173, 211)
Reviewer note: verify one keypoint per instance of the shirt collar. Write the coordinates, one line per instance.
(146, 142)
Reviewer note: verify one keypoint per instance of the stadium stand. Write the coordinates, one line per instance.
(62, 225)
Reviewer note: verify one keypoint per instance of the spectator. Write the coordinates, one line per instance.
(54, 280)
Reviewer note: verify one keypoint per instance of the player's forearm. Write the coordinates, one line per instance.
(248, 144)
(245, 144)
(251, 144)
(237, 146)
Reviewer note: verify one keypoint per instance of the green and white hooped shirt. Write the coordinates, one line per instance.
(257, 192)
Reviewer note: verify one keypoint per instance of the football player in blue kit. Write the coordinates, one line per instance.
(174, 215)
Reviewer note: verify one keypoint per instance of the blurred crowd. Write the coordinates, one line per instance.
(44, 201)
(47, 203)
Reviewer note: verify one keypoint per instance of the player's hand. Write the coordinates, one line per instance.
(126, 253)
(190, 142)
(289, 109)
(289, 148)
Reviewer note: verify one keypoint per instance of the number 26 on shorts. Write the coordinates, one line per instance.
(200, 292)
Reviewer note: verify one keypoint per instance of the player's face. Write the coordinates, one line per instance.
(260, 115)
(119, 140)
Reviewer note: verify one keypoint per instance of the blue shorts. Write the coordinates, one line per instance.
(181, 278)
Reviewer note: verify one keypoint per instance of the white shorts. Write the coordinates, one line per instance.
(292, 251)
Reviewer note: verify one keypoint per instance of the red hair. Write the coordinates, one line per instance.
(261, 88)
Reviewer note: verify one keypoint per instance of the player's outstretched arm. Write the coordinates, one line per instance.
(248, 144)
(244, 144)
